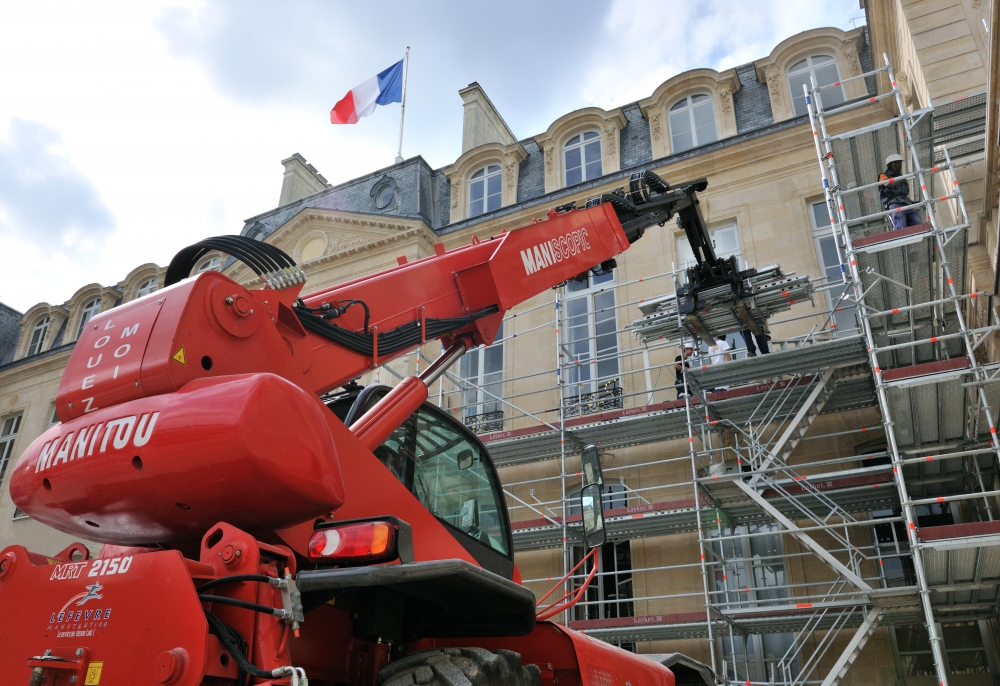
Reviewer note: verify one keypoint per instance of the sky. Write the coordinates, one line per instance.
(129, 130)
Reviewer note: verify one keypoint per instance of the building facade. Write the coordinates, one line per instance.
(682, 572)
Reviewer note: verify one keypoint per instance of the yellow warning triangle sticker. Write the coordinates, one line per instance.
(179, 356)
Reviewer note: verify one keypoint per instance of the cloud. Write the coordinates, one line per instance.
(44, 198)
(645, 43)
(536, 60)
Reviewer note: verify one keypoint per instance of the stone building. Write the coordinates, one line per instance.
(746, 130)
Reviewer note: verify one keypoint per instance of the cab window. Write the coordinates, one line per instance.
(449, 473)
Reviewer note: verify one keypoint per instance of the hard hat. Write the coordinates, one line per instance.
(688, 346)
(892, 158)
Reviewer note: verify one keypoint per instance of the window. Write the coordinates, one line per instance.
(147, 287)
(822, 68)
(38, 336)
(590, 346)
(212, 263)
(582, 157)
(692, 123)
(749, 572)
(8, 435)
(725, 242)
(445, 468)
(482, 368)
(89, 310)
(965, 646)
(610, 593)
(826, 253)
(484, 190)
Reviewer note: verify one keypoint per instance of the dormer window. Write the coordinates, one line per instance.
(484, 190)
(89, 310)
(582, 157)
(692, 122)
(147, 287)
(822, 68)
(38, 336)
(211, 264)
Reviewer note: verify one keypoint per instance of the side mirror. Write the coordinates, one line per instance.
(593, 515)
(465, 459)
(591, 466)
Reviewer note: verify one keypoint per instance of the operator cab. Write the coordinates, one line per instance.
(450, 472)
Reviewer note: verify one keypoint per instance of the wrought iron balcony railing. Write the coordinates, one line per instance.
(485, 423)
(607, 397)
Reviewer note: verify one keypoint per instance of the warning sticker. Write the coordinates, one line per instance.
(94, 673)
(179, 356)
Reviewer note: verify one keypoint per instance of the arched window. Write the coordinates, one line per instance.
(147, 287)
(582, 157)
(38, 336)
(89, 310)
(692, 122)
(212, 263)
(484, 190)
(823, 68)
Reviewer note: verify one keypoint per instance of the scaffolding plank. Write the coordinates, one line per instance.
(837, 352)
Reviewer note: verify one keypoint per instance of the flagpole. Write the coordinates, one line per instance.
(402, 109)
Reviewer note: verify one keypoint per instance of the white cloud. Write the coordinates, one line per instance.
(176, 114)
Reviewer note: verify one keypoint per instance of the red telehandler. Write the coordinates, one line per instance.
(262, 526)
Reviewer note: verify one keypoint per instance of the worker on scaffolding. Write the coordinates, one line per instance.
(895, 193)
(683, 390)
(719, 353)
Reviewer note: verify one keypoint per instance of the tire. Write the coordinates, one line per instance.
(460, 667)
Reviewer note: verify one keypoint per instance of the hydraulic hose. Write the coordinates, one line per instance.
(222, 631)
(263, 578)
(222, 600)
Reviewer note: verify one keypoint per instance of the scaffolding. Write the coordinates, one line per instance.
(879, 521)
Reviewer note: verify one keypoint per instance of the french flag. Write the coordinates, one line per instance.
(361, 100)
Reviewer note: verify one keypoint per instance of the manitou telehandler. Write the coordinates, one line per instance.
(261, 526)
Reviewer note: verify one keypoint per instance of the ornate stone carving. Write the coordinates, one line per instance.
(655, 126)
(905, 89)
(455, 192)
(550, 157)
(611, 133)
(773, 84)
(339, 242)
(850, 50)
(510, 168)
(726, 100)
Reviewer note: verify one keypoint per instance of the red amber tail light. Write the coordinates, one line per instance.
(360, 542)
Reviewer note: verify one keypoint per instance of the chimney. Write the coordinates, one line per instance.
(300, 179)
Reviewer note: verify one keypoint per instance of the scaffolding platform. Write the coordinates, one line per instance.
(927, 401)
(893, 239)
(668, 420)
(854, 491)
(962, 564)
(780, 619)
(837, 352)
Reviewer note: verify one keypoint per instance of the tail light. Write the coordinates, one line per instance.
(361, 542)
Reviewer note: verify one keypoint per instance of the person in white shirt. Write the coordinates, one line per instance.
(720, 353)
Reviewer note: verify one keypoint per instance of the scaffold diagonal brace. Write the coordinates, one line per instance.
(821, 552)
